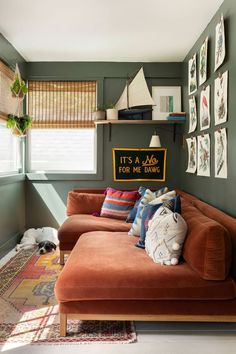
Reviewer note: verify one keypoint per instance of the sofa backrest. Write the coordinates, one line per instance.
(213, 213)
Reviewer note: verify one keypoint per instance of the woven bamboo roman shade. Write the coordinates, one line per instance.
(62, 104)
(7, 103)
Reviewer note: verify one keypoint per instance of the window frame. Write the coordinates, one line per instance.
(7, 73)
(66, 176)
(30, 170)
(20, 149)
(97, 175)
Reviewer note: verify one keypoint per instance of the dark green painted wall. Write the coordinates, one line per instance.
(12, 210)
(41, 210)
(218, 192)
(10, 55)
(12, 189)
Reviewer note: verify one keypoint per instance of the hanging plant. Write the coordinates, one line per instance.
(19, 125)
(18, 87)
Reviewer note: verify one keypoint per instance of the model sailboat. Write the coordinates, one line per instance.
(135, 94)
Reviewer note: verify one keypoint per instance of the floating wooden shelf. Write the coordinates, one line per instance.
(130, 121)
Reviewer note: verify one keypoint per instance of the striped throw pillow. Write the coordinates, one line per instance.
(118, 204)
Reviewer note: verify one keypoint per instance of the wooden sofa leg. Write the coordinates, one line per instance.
(62, 260)
(63, 324)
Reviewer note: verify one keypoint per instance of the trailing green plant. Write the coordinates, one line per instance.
(18, 87)
(19, 125)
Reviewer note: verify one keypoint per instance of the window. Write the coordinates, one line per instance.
(9, 145)
(69, 150)
(9, 152)
(63, 138)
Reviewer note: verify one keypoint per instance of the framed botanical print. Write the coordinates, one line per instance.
(192, 75)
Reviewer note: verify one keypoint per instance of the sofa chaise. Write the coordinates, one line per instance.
(107, 278)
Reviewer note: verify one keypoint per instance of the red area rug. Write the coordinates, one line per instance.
(29, 311)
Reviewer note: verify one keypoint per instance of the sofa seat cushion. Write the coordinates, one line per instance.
(76, 225)
(107, 265)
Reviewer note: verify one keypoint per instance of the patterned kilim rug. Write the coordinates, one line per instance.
(29, 310)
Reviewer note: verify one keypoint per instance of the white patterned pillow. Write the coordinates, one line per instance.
(165, 236)
(147, 198)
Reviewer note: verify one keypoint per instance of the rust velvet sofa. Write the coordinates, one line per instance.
(106, 277)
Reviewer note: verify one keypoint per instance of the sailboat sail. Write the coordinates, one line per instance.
(138, 93)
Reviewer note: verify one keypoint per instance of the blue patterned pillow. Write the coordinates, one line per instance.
(173, 204)
(133, 212)
(147, 197)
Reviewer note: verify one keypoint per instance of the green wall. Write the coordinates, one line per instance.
(46, 198)
(12, 189)
(218, 192)
(12, 210)
(10, 55)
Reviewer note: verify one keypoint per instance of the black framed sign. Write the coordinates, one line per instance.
(139, 164)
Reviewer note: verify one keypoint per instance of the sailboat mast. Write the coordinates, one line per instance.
(127, 85)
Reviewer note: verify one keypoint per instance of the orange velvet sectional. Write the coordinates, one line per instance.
(107, 277)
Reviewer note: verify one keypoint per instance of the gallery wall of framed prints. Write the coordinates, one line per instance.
(201, 87)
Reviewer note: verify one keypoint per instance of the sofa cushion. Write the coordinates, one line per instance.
(133, 212)
(118, 204)
(148, 212)
(106, 265)
(76, 225)
(84, 203)
(227, 221)
(159, 196)
(165, 236)
(207, 248)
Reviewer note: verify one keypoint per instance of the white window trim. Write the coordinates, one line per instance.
(62, 172)
(20, 156)
(60, 176)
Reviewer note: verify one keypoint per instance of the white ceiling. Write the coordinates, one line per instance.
(105, 30)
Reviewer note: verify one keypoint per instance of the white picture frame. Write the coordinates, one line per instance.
(167, 100)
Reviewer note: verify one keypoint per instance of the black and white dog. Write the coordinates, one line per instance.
(45, 239)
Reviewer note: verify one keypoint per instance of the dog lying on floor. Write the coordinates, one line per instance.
(45, 239)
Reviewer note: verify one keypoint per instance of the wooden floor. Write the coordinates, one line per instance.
(153, 338)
